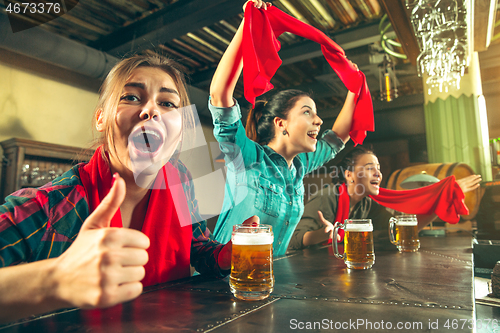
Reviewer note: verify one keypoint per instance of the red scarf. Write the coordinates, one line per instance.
(445, 199)
(170, 248)
(260, 48)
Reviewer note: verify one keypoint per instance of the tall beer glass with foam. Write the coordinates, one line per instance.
(358, 243)
(252, 262)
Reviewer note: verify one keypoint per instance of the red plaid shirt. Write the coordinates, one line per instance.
(41, 223)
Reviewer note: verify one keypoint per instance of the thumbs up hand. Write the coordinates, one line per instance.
(103, 266)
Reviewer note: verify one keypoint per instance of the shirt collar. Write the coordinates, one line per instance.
(269, 151)
(296, 163)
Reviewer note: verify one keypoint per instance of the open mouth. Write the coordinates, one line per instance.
(375, 183)
(147, 141)
(312, 134)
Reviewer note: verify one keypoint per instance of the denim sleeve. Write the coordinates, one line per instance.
(230, 133)
(223, 116)
(327, 148)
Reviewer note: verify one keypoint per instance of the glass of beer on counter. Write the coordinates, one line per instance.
(252, 276)
(358, 243)
(403, 232)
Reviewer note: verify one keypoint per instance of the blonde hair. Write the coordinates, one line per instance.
(111, 89)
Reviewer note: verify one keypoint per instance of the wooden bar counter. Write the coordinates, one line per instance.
(430, 290)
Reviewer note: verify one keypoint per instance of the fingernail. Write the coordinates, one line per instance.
(115, 175)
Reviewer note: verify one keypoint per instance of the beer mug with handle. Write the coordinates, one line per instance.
(358, 243)
(403, 232)
(251, 275)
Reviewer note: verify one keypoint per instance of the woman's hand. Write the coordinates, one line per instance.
(469, 183)
(103, 266)
(328, 226)
(224, 258)
(319, 235)
(258, 4)
(230, 65)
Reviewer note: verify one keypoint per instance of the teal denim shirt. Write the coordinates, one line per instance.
(259, 181)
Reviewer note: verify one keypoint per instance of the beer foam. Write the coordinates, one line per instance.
(407, 223)
(252, 239)
(359, 227)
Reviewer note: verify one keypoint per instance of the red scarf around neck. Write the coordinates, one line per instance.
(169, 252)
(260, 48)
(445, 199)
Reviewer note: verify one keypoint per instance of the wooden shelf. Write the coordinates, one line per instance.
(18, 152)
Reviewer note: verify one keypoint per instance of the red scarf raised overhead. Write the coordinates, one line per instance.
(170, 248)
(445, 199)
(260, 48)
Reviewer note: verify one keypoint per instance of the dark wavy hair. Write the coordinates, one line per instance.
(260, 119)
(349, 161)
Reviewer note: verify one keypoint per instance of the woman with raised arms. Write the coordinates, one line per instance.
(267, 163)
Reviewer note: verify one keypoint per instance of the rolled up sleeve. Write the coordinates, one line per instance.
(225, 116)
(327, 148)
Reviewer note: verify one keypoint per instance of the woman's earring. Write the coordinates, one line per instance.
(285, 132)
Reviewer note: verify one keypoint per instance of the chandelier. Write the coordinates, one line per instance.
(441, 30)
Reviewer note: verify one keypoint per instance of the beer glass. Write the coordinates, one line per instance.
(403, 232)
(252, 262)
(358, 243)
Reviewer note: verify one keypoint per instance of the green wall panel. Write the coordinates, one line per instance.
(454, 133)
